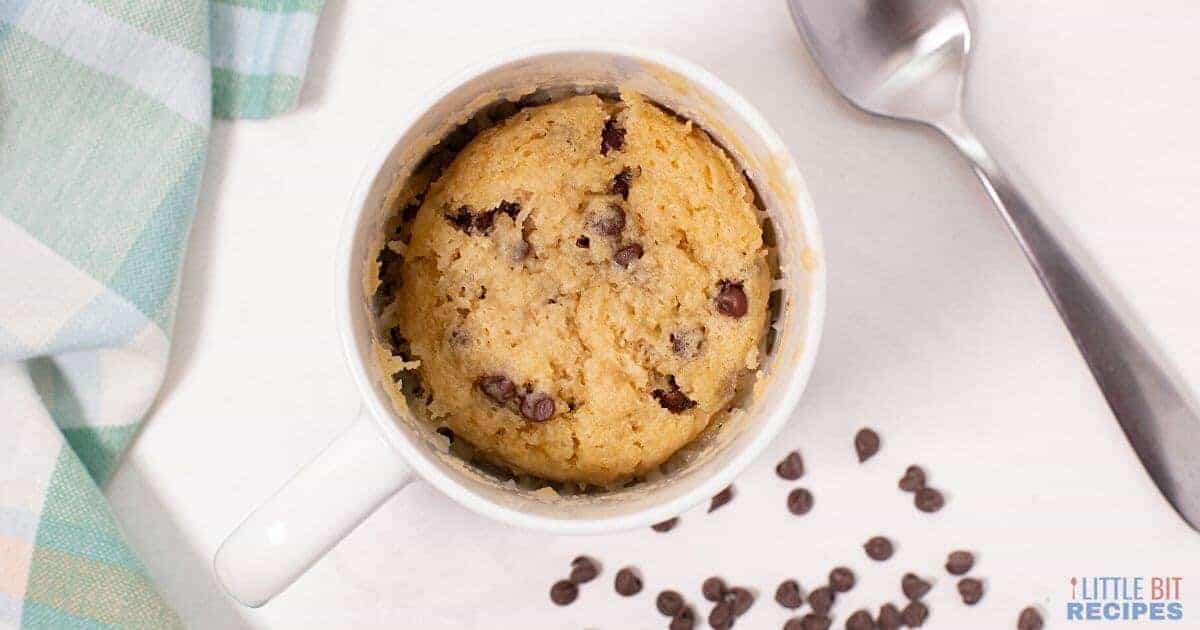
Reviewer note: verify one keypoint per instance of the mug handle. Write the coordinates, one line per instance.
(314, 510)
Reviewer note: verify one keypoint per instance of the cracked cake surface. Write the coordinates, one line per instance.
(579, 291)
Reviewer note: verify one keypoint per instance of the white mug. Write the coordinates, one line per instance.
(384, 450)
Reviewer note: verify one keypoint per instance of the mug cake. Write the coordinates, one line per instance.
(577, 291)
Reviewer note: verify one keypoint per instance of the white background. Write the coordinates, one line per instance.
(938, 333)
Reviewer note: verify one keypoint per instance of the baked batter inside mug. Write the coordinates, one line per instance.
(384, 449)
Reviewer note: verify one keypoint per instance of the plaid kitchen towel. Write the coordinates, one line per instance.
(105, 108)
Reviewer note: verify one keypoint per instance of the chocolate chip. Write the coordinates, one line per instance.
(788, 594)
(791, 468)
(672, 398)
(445, 432)
(889, 617)
(913, 479)
(583, 569)
(721, 616)
(410, 211)
(914, 587)
(959, 562)
(459, 338)
(915, 614)
(669, 603)
(627, 582)
(537, 407)
(860, 620)
(866, 444)
(821, 600)
(628, 254)
(666, 525)
(812, 622)
(399, 343)
(679, 344)
(841, 579)
(583, 242)
(384, 294)
(612, 222)
(721, 498)
(612, 137)
(563, 592)
(520, 251)
(878, 548)
(731, 299)
(742, 600)
(971, 590)
(496, 386)
(713, 589)
(1030, 619)
(461, 219)
(686, 343)
(386, 259)
(620, 183)
(509, 208)
(929, 500)
(799, 501)
(483, 222)
(685, 619)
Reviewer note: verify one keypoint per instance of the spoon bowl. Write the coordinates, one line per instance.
(899, 58)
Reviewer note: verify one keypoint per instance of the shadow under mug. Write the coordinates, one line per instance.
(383, 449)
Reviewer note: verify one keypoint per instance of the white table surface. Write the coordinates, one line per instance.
(938, 333)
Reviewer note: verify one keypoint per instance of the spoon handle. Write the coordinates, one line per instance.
(1150, 401)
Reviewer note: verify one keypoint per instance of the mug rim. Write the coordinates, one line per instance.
(431, 471)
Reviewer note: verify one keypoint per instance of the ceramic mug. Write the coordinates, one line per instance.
(384, 449)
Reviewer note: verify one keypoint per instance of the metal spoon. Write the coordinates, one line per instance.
(906, 59)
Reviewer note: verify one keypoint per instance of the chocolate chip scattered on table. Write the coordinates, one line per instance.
(800, 501)
(583, 569)
(669, 603)
(791, 468)
(685, 619)
(914, 587)
(889, 617)
(821, 599)
(788, 595)
(915, 614)
(929, 500)
(811, 621)
(721, 616)
(1030, 619)
(729, 603)
(563, 592)
(665, 526)
(971, 590)
(860, 620)
(713, 589)
(959, 562)
(841, 579)
(866, 444)
(720, 499)
(913, 479)
(742, 600)
(627, 582)
(878, 548)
